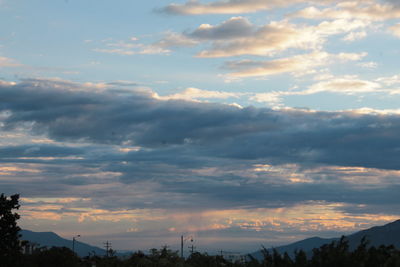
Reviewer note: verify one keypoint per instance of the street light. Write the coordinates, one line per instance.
(73, 242)
(183, 239)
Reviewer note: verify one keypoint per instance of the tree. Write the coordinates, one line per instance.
(10, 246)
(300, 258)
(55, 256)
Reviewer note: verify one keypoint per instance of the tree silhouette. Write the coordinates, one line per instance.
(10, 246)
(55, 256)
(300, 258)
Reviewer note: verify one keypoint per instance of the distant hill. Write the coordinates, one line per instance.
(388, 234)
(50, 239)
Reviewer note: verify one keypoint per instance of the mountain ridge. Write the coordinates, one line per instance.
(388, 234)
(51, 239)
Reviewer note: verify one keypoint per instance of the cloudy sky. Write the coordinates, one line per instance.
(240, 122)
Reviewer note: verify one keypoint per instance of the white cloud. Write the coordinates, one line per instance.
(194, 7)
(389, 81)
(338, 26)
(353, 36)
(238, 36)
(250, 68)
(344, 86)
(348, 85)
(266, 40)
(5, 83)
(300, 64)
(351, 56)
(395, 30)
(369, 65)
(195, 93)
(363, 10)
(274, 99)
(172, 39)
(131, 47)
(8, 62)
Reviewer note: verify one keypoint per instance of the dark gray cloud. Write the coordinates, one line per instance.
(193, 155)
(202, 129)
(268, 194)
(39, 151)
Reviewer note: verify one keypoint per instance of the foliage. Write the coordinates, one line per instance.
(55, 256)
(198, 260)
(334, 254)
(10, 246)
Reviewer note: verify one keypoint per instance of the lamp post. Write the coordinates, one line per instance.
(183, 239)
(73, 242)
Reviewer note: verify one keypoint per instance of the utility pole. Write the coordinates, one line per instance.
(107, 245)
(183, 240)
(73, 242)
(192, 249)
(182, 246)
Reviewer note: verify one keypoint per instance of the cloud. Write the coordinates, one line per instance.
(349, 85)
(337, 85)
(300, 64)
(369, 65)
(235, 27)
(265, 40)
(9, 62)
(389, 81)
(249, 68)
(274, 99)
(194, 7)
(344, 85)
(238, 36)
(356, 9)
(195, 94)
(131, 47)
(138, 118)
(362, 10)
(122, 83)
(38, 151)
(219, 7)
(353, 36)
(128, 157)
(133, 160)
(395, 30)
(171, 40)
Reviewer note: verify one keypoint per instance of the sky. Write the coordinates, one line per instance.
(239, 122)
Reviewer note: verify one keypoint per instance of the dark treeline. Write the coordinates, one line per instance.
(335, 254)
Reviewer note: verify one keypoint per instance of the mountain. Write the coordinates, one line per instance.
(50, 239)
(388, 234)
